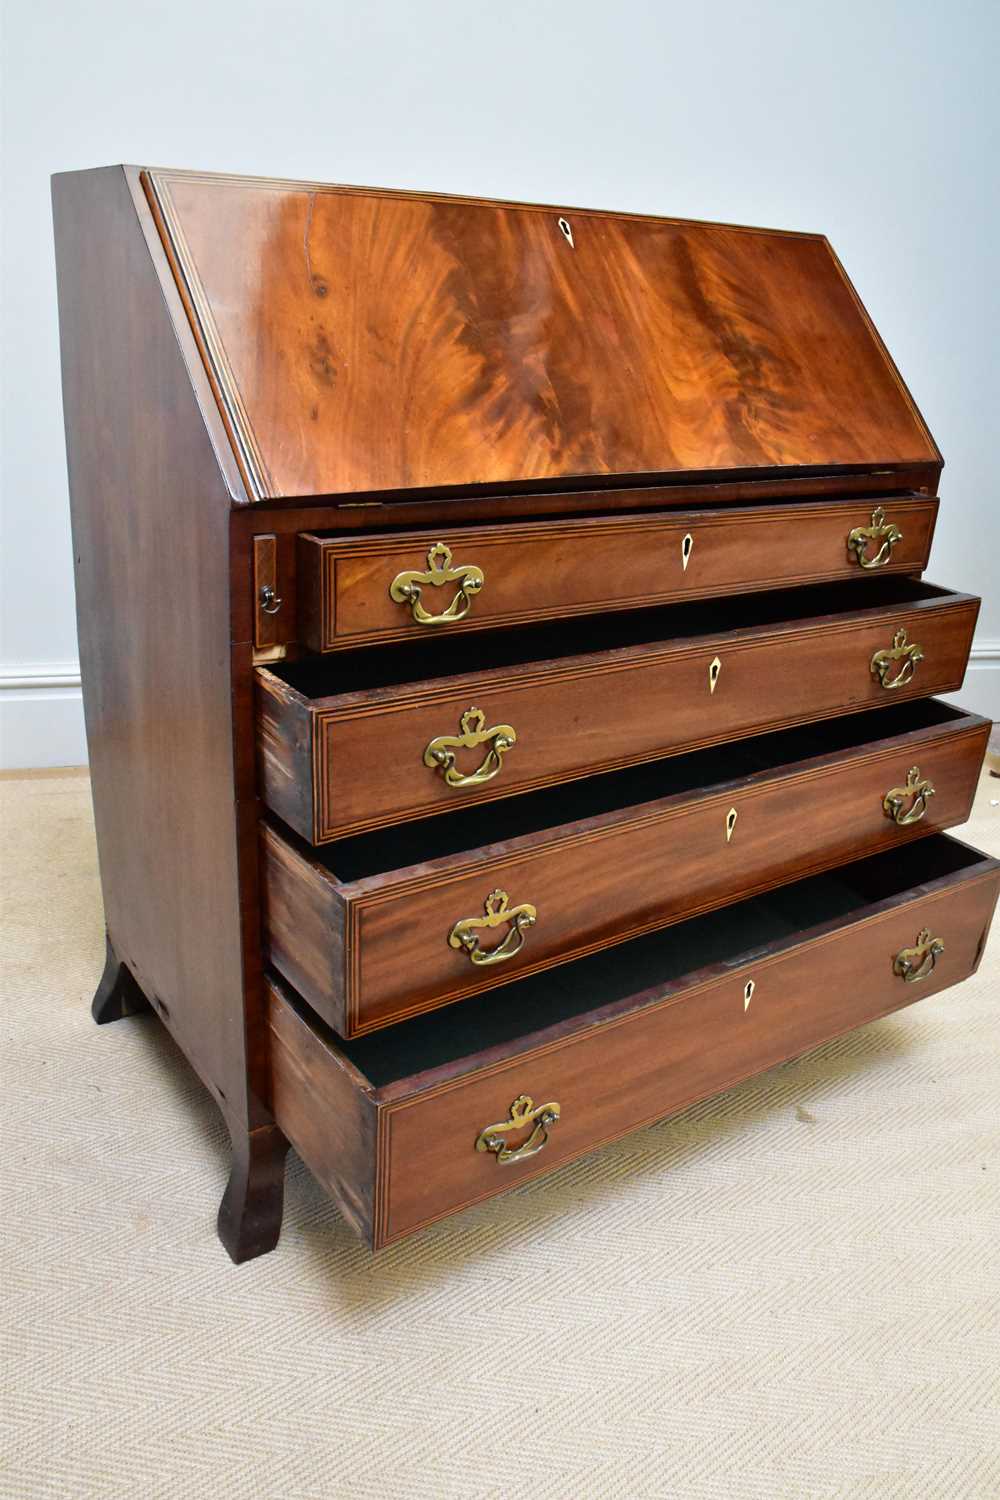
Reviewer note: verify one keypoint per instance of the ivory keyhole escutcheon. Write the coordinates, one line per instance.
(731, 817)
(715, 667)
(687, 546)
(748, 990)
(567, 232)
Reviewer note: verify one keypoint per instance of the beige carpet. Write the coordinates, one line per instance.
(790, 1291)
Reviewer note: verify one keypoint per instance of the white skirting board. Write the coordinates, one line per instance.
(980, 692)
(41, 715)
(41, 708)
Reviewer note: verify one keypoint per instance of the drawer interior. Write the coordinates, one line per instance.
(451, 833)
(451, 656)
(615, 981)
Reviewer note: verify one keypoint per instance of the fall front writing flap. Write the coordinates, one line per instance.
(362, 340)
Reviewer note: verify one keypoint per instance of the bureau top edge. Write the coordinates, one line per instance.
(366, 342)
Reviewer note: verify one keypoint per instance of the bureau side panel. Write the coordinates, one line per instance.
(150, 512)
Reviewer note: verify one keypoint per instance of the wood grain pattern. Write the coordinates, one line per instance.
(629, 1074)
(285, 750)
(150, 513)
(556, 569)
(327, 1111)
(304, 927)
(362, 766)
(368, 952)
(285, 520)
(366, 341)
(445, 362)
(268, 601)
(616, 1069)
(249, 1218)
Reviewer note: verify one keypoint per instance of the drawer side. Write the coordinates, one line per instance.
(285, 753)
(324, 1107)
(304, 918)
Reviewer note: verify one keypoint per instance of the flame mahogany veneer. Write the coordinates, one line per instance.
(674, 501)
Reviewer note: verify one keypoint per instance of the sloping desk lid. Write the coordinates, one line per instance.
(363, 340)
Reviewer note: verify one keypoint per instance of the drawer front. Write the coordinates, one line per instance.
(332, 767)
(368, 953)
(359, 590)
(630, 1072)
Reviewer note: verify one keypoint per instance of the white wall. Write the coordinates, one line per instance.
(870, 120)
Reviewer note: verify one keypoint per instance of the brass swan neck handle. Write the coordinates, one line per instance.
(408, 587)
(917, 792)
(497, 910)
(524, 1112)
(901, 657)
(862, 538)
(912, 964)
(442, 751)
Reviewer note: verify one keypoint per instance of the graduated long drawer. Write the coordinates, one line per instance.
(356, 590)
(441, 1112)
(427, 732)
(385, 926)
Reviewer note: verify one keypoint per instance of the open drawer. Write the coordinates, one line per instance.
(368, 738)
(359, 590)
(376, 928)
(413, 1123)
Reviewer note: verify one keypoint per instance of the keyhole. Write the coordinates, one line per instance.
(748, 990)
(731, 817)
(686, 545)
(713, 674)
(567, 232)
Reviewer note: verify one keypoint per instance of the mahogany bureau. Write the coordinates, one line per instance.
(507, 667)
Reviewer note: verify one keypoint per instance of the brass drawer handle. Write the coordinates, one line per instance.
(917, 791)
(523, 1112)
(887, 533)
(902, 651)
(917, 962)
(406, 588)
(440, 753)
(497, 910)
